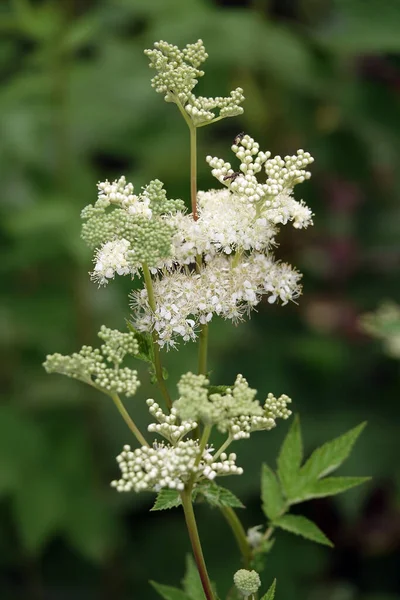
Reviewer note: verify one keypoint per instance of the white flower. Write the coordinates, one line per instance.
(225, 286)
(121, 194)
(110, 259)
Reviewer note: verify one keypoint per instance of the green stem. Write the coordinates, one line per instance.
(193, 170)
(156, 348)
(239, 534)
(196, 544)
(203, 348)
(224, 446)
(125, 415)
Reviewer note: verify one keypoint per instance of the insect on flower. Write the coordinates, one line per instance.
(232, 176)
(238, 138)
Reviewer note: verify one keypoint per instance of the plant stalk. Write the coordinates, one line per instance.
(239, 534)
(156, 348)
(203, 350)
(193, 170)
(195, 542)
(125, 415)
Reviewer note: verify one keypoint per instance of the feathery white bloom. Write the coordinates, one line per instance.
(185, 300)
(111, 259)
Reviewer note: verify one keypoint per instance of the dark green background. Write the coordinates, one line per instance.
(76, 107)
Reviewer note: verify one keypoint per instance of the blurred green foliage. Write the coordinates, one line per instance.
(76, 106)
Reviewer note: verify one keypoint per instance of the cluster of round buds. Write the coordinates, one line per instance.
(285, 173)
(247, 582)
(201, 109)
(234, 410)
(170, 466)
(168, 425)
(276, 408)
(92, 366)
(241, 427)
(177, 70)
(133, 231)
(272, 197)
(178, 73)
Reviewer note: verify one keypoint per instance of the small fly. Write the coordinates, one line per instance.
(232, 176)
(238, 138)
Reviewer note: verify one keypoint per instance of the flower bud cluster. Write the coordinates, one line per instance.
(101, 368)
(235, 410)
(178, 74)
(201, 109)
(168, 425)
(177, 70)
(170, 466)
(128, 229)
(274, 194)
(247, 582)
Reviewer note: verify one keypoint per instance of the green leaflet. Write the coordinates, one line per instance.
(290, 457)
(273, 503)
(217, 495)
(330, 456)
(330, 486)
(191, 582)
(169, 593)
(304, 527)
(167, 499)
(270, 595)
(146, 353)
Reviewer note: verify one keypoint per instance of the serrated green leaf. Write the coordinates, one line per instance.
(330, 486)
(329, 457)
(192, 582)
(273, 503)
(168, 592)
(167, 499)
(145, 342)
(217, 495)
(304, 527)
(290, 457)
(270, 595)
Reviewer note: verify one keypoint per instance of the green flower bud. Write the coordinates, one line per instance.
(247, 582)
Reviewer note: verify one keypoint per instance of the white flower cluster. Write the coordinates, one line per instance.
(101, 368)
(185, 300)
(112, 258)
(234, 234)
(170, 466)
(178, 73)
(121, 194)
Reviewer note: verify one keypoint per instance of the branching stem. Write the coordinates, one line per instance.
(239, 534)
(195, 542)
(125, 415)
(156, 348)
